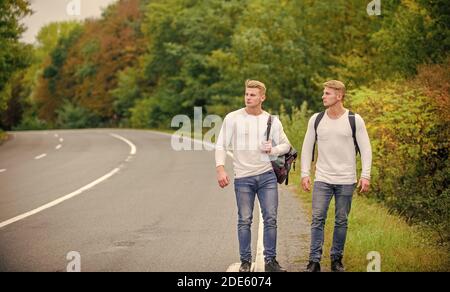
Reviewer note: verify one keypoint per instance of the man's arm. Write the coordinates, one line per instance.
(366, 153)
(364, 147)
(282, 142)
(306, 158)
(222, 177)
(307, 148)
(223, 141)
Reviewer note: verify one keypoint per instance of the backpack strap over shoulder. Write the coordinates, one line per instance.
(269, 126)
(316, 125)
(351, 119)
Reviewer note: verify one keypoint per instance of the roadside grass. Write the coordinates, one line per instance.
(403, 248)
(3, 136)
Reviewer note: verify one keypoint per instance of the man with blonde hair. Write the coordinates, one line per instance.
(244, 133)
(340, 135)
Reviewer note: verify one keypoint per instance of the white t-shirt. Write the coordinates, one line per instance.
(336, 161)
(243, 135)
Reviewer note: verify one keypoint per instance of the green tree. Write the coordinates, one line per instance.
(50, 90)
(13, 54)
(128, 90)
(268, 45)
(408, 37)
(181, 34)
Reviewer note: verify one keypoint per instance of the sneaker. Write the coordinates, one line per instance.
(337, 266)
(313, 267)
(245, 267)
(273, 266)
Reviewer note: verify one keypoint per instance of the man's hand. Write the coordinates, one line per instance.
(364, 183)
(266, 146)
(306, 184)
(222, 177)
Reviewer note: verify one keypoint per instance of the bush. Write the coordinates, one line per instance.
(30, 123)
(411, 173)
(143, 114)
(157, 110)
(3, 136)
(71, 116)
(126, 92)
(296, 124)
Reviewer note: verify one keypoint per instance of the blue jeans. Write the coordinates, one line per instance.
(322, 195)
(265, 186)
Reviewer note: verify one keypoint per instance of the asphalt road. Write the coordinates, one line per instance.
(125, 201)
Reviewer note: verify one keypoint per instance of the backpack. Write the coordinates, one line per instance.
(282, 165)
(351, 120)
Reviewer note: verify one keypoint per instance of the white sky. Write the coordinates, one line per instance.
(46, 11)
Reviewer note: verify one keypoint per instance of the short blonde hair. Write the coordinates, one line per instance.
(336, 85)
(256, 84)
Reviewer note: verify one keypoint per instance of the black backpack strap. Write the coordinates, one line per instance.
(316, 125)
(269, 126)
(351, 119)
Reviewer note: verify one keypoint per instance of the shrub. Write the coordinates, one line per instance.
(410, 153)
(71, 116)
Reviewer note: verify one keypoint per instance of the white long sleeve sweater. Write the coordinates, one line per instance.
(243, 134)
(336, 162)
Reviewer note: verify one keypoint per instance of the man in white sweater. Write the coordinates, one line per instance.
(339, 135)
(244, 134)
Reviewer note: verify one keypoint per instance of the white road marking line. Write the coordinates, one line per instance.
(56, 136)
(233, 268)
(208, 146)
(2, 170)
(258, 265)
(58, 147)
(259, 262)
(132, 146)
(73, 194)
(40, 156)
(60, 200)
(61, 140)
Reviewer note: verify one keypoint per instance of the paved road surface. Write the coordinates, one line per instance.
(128, 203)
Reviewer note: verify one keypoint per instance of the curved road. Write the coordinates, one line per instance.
(125, 201)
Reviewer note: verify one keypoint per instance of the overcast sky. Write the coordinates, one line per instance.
(46, 11)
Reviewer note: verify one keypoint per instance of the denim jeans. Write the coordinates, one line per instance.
(266, 188)
(322, 195)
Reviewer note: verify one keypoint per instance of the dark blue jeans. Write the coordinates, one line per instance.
(322, 195)
(266, 188)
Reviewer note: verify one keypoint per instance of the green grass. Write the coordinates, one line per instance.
(372, 228)
(3, 136)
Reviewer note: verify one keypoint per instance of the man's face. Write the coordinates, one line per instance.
(253, 97)
(331, 96)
